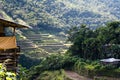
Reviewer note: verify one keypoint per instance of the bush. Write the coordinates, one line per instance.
(94, 68)
(4, 75)
(51, 75)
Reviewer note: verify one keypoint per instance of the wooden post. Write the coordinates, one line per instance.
(14, 31)
(2, 30)
(15, 58)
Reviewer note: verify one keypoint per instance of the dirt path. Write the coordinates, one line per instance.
(74, 76)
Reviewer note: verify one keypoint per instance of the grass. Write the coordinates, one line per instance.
(52, 75)
(104, 78)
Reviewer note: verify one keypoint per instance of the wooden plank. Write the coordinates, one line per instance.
(9, 54)
(16, 50)
(12, 64)
(12, 68)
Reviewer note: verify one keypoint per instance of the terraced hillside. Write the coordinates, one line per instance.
(51, 44)
(28, 47)
(40, 44)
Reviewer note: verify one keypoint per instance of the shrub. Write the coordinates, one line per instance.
(4, 75)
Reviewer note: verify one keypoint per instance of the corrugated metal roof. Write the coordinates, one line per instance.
(110, 60)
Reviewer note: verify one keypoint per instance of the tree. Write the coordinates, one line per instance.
(90, 44)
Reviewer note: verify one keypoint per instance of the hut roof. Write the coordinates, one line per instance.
(6, 23)
(110, 60)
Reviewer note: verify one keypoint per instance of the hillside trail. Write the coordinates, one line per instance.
(74, 76)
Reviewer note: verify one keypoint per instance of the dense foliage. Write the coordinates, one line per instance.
(51, 63)
(103, 42)
(61, 13)
(94, 68)
(4, 75)
(51, 68)
(27, 61)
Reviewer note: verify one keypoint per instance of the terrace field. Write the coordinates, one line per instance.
(43, 44)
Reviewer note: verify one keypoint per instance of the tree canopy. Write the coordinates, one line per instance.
(90, 44)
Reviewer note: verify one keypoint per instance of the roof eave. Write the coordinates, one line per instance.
(7, 23)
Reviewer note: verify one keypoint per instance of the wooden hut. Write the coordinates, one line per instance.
(9, 50)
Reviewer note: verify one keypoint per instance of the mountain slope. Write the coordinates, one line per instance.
(63, 13)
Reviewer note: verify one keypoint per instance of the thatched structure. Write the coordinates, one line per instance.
(9, 50)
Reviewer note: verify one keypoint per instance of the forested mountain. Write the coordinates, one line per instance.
(62, 13)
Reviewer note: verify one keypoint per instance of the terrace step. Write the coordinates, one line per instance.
(47, 42)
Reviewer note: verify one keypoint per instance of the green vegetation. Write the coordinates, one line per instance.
(89, 46)
(94, 68)
(52, 75)
(84, 55)
(4, 75)
(48, 68)
(27, 61)
(51, 63)
(95, 44)
(52, 15)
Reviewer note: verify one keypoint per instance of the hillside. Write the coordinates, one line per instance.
(56, 17)
(62, 13)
